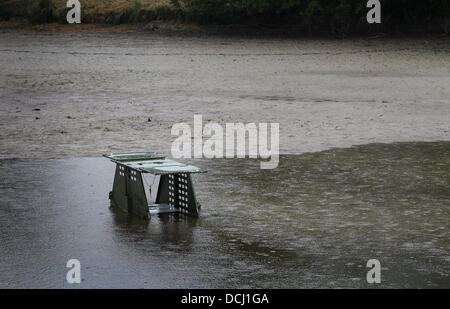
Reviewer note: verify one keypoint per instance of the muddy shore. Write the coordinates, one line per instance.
(83, 94)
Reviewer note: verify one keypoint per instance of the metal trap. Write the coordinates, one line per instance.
(175, 192)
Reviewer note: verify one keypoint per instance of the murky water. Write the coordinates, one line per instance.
(313, 222)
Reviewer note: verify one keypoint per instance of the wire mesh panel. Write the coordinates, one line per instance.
(180, 194)
(172, 197)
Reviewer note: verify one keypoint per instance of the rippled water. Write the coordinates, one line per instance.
(313, 222)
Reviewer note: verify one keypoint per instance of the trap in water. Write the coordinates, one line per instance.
(175, 192)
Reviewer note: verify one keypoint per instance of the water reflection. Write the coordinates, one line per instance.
(163, 228)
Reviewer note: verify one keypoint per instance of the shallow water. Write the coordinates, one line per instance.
(313, 222)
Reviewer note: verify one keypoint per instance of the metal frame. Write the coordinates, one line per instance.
(175, 189)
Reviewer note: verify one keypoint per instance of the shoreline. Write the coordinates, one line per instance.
(185, 29)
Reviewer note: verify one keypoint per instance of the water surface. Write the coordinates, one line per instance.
(313, 222)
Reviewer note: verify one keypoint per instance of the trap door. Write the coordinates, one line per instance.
(128, 192)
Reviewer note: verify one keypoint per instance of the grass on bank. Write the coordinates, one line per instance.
(93, 11)
(316, 16)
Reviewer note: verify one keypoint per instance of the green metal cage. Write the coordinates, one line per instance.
(175, 189)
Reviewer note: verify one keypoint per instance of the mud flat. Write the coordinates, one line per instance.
(82, 94)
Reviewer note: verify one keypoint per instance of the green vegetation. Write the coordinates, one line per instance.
(332, 16)
(126, 15)
(43, 12)
(314, 16)
(138, 14)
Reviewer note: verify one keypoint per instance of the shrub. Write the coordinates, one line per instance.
(43, 12)
(126, 15)
(5, 13)
(61, 15)
(333, 16)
